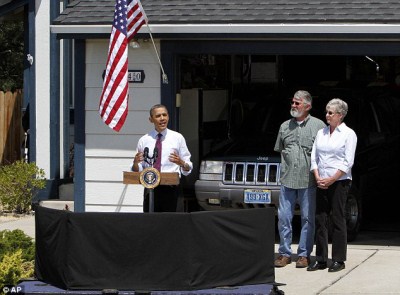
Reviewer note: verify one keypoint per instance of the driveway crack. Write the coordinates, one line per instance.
(346, 273)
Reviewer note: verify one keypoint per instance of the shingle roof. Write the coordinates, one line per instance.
(100, 12)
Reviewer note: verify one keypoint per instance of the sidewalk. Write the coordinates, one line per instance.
(372, 266)
(369, 270)
(25, 223)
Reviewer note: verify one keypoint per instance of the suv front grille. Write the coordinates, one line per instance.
(251, 173)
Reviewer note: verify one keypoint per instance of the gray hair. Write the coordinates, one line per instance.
(339, 106)
(305, 95)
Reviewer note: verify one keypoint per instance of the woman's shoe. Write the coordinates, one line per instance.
(336, 266)
(316, 265)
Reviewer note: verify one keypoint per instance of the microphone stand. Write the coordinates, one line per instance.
(150, 160)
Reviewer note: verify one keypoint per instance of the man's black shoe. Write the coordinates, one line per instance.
(336, 266)
(316, 265)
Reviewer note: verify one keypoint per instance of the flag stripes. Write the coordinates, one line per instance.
(113, 107)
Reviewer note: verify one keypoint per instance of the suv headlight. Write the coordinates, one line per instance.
(214, 167)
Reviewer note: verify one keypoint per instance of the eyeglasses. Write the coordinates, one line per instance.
(296, 103)
(330, 113)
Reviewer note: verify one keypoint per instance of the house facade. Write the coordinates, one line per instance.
(191, 38)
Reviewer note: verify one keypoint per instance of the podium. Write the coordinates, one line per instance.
(156, 178)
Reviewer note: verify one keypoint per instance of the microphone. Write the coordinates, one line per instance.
(146, 152)
(155, 153)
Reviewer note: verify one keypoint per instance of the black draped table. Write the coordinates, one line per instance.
(154, 251)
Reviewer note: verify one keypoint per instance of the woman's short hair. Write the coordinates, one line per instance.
(340, 106)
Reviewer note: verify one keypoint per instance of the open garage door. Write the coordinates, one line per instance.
(255, 89)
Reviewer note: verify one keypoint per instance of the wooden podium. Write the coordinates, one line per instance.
(165, 178)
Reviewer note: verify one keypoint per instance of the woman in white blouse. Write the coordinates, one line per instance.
(332, 158)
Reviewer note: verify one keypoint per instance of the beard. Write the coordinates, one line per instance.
(295, 113)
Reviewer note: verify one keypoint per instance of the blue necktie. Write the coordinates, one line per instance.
(157, 163)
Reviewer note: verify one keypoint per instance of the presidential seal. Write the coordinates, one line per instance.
(150, 177)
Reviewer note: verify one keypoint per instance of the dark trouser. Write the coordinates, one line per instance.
(165, 198)
(332, 201)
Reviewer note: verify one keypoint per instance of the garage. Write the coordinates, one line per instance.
(241, 98)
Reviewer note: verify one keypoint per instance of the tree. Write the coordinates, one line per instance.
(11, 55)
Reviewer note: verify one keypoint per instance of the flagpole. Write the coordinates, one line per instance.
(164, 76)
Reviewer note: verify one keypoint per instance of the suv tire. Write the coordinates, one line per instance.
(353, 215)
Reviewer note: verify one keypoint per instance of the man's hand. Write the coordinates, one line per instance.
(174, 157)
(136, 160)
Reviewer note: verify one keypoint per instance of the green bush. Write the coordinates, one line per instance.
(11, 241)
(17, 256)
(13, 268)
(19, 183)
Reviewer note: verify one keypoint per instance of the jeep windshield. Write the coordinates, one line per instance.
(252, 127)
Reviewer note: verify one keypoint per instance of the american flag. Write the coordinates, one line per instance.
(129, 16)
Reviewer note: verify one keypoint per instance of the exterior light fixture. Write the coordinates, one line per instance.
(134, 44)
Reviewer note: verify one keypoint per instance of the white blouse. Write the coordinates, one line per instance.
(336, 151)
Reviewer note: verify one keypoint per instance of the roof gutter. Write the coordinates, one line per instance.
(239, 29)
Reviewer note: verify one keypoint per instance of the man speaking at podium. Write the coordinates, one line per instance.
(165, 150)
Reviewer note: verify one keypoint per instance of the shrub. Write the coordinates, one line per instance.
(17, 254)
(13, 268)
(19, 183)
(10, 241)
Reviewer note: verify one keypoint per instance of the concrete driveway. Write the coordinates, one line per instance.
(373, 267)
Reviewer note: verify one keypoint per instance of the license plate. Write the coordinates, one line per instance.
(257, 196)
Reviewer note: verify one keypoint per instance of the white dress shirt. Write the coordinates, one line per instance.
(336, 151)
(172, 141)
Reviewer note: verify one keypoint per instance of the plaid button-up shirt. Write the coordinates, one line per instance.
(295, 143)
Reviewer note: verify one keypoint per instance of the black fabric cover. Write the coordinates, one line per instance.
(154, 251)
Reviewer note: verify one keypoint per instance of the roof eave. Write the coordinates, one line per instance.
(238, 29)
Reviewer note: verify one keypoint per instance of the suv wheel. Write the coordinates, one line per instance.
(353, 215)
